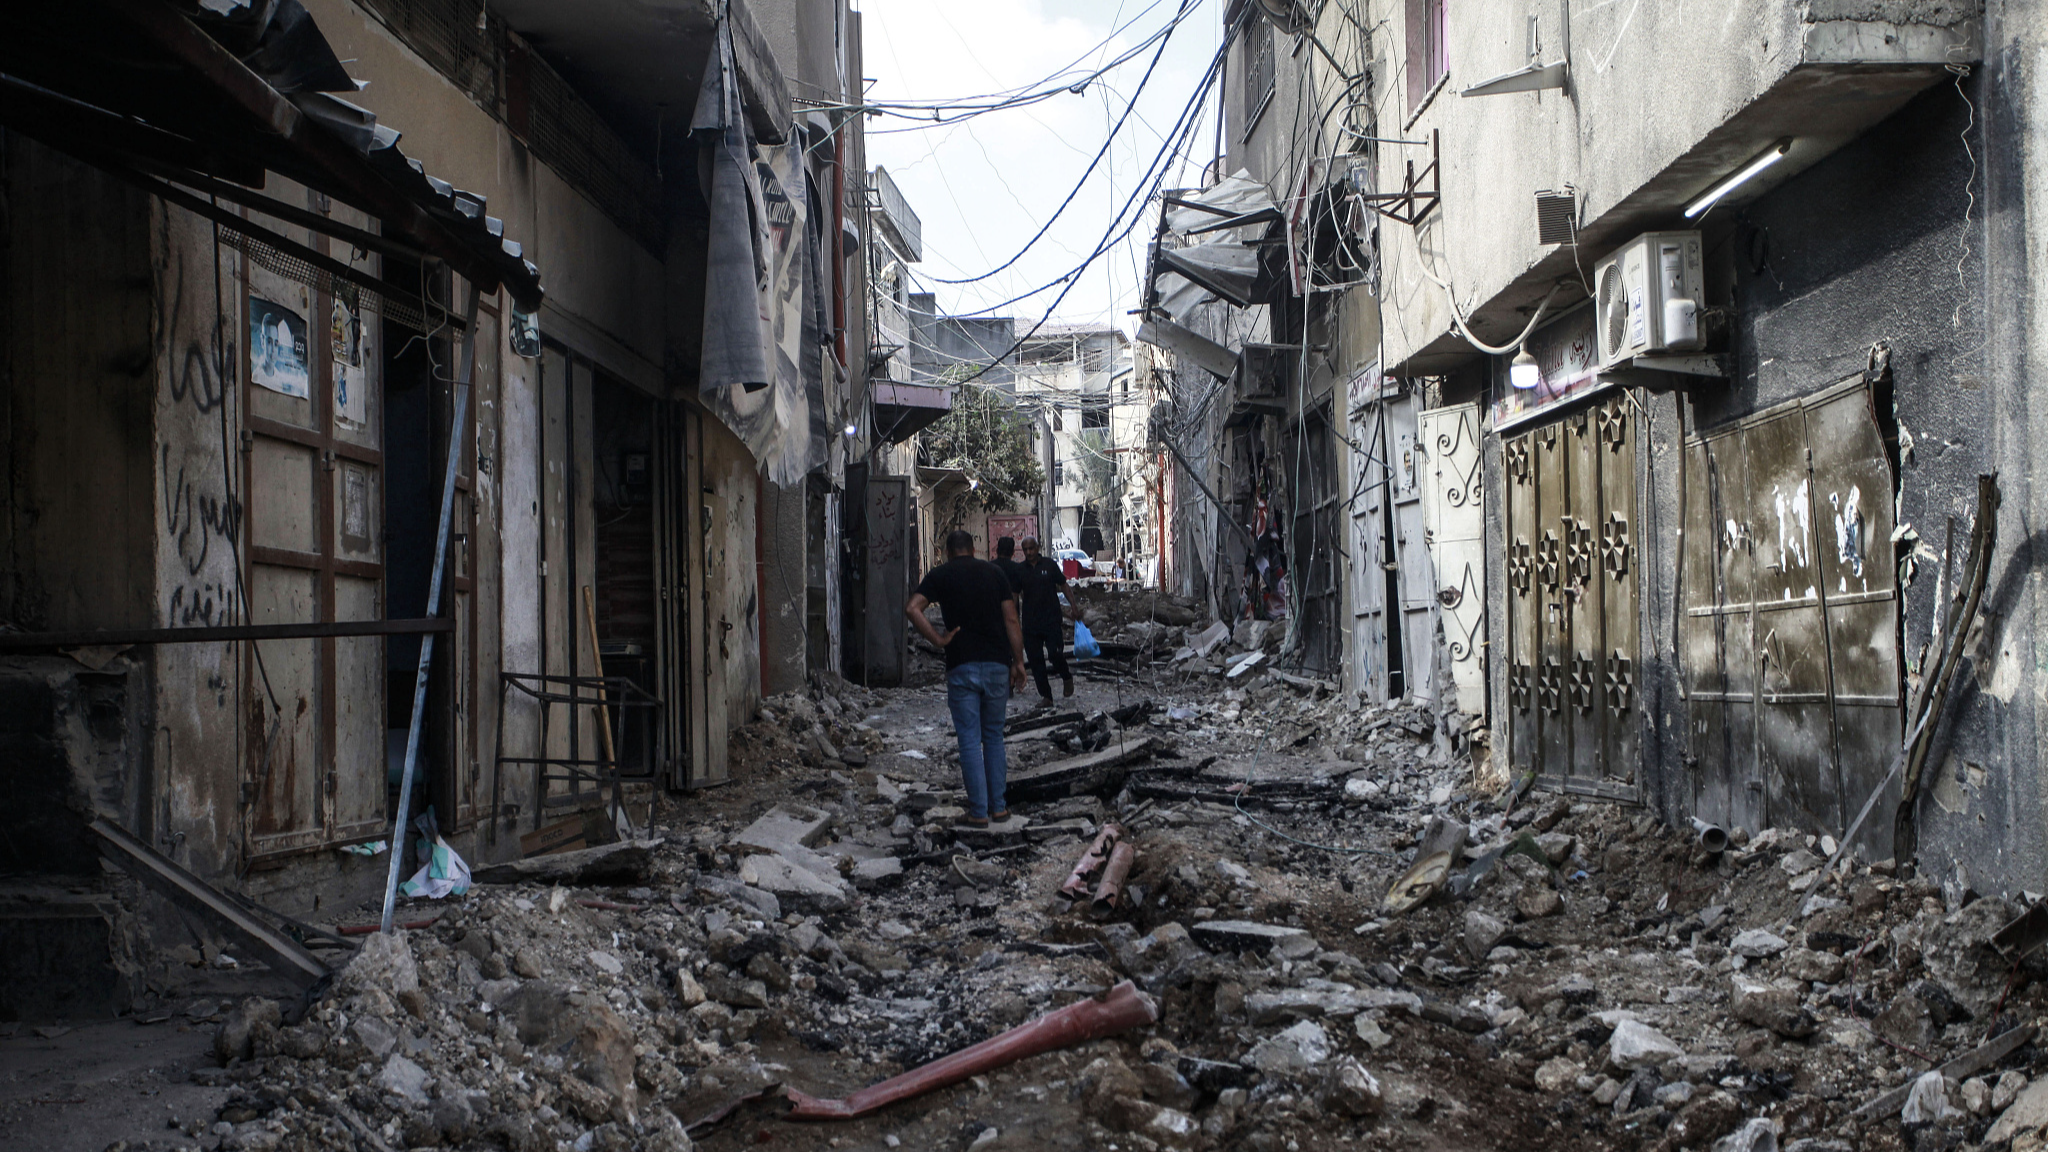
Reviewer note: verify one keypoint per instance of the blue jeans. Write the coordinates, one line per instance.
(978, 695)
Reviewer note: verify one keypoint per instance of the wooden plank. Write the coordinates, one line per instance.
(561, 836)
(1096, 771)
(1962, 1067)
(285, 955)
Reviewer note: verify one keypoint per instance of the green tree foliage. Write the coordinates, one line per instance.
(987, 437)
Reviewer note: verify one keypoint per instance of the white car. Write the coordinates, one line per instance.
(1086, 561)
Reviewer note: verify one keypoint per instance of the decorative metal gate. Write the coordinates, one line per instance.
(1572, 602)
(1457, 548)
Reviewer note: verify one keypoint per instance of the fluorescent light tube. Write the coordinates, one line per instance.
(1765, 159)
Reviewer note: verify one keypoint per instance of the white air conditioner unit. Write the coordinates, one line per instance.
(1648, 299)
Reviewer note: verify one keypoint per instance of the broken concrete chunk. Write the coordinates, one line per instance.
(2007, 1090)
(1292, 1052)
(1773, 1006)
(237, 1035)
(2027, 1113)
(874, 873)
(402, 1077)
(794, 886)
(1558, 1074)
(1482, 932)
(783, 825)
(1349, 1090)
(1807, 964)
(1757, 943)
(1557, 847)
(1245, 936)
(1637, 1045)
(377, 1036)
(1757, 1134)
(384, 962)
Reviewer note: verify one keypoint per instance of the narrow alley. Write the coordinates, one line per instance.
(1290, 575)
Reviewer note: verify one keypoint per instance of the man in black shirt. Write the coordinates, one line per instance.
(984, 649)
(1006, 559)
(1039, 586)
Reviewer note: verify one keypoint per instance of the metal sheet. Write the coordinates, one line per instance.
(1790, 614)
(1415, 573)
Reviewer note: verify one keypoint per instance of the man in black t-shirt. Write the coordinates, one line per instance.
(984, 648)
(1038, 586)
(1006, 559)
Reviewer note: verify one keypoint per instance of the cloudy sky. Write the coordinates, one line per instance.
(983, 187)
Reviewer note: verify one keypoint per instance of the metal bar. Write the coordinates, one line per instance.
(35, 641)
(287, 956)
(419, 687)
(171, 29)
(292, 214)
(287, 246)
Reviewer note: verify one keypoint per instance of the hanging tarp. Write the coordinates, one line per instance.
(1228, 269)
(1235, 195)
(751, 374)
(1180, 296)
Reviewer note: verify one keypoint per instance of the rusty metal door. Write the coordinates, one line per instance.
(1789, 639)
(1573, 626)
(1456, 529)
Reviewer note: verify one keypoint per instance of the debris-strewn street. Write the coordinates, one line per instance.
(1577, 977)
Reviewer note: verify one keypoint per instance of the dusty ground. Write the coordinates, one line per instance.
(1510, 1014)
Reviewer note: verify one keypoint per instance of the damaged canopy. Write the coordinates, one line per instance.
(761, 370)
(232, 89)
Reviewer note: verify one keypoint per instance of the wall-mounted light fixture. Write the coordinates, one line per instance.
(853, 429)
(1743, 175)
(1523, 374)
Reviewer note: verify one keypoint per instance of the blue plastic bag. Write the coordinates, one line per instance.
(1085, 647)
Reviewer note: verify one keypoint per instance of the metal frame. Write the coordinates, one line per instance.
(607, 692)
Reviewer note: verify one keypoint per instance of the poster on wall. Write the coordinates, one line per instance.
(277, 348)
(351, 397)
(1568, 367)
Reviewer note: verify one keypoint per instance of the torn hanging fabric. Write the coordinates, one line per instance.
(750, 373)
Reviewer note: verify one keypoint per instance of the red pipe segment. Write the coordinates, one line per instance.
(1077, 881)
(1111, 890)
(1118, 1010)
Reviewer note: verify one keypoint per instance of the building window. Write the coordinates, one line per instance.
(1258, 70)
(1095, 416)
(1429, 50)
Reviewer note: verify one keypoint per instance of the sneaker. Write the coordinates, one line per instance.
(1068, 682)
(1044, 704)
(1002, 817)
(978, 823)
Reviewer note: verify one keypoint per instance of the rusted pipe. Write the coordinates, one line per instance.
(1118, 1010)
(1111, 891)
(1077, 880)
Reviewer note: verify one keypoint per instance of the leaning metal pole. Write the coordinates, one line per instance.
(465, 366)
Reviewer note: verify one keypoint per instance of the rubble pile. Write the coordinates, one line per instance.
(1572, 975)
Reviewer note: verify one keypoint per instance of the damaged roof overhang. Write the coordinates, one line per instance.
(635, 58)
(1842, 89)
(172, 87)
(903, 410)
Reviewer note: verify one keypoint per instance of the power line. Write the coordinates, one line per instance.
(1186, 6)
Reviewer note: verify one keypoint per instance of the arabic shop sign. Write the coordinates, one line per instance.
(1568, 365)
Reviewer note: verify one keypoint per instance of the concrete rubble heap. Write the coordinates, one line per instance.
(1585, 979)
